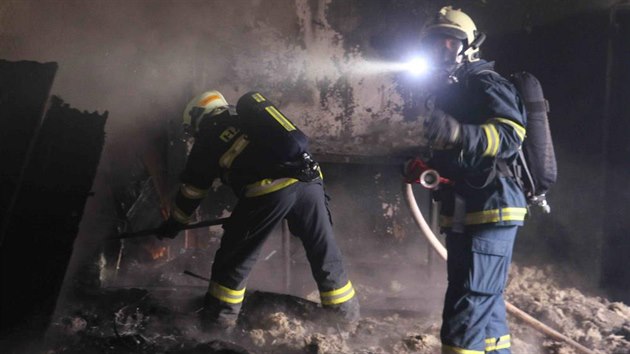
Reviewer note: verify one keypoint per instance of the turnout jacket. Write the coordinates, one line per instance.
(222, 149)
(493, 128)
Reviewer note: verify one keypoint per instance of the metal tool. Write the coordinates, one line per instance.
(148, 232)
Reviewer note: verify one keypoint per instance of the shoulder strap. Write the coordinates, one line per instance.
(528, 174)
(486, 71)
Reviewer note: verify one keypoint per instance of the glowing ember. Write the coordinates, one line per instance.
(158, 253)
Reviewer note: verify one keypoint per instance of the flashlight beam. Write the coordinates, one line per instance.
(416, 66)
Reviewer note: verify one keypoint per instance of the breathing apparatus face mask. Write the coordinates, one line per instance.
(445, 55)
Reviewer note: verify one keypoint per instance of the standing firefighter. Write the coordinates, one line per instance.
(476, 124)
(263, 157)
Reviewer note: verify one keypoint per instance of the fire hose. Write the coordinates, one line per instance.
(515, 311)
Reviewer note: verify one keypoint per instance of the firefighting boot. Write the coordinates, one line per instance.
(346, 314)
(218, 317)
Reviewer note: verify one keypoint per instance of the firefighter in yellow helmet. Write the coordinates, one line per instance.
(475, 127)
(451, 39)
(264, 158)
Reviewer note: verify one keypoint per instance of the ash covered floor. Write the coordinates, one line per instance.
(164, 320)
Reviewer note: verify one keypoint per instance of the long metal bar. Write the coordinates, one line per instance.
(149, 232)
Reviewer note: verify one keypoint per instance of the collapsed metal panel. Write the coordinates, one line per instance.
(24, 88)
(43, 224)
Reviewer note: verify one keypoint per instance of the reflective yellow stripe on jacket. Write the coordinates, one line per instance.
(226, 294)
(519, 129)
(493, 139)
(192, 192)
(488, 216)
(232, 153)
(337, 296)
(267, 186)
(492, 134)
(180, 216)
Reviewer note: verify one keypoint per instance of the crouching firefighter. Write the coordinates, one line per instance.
(264, 158)
(475, 119)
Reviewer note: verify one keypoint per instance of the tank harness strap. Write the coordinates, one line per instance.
(304, 169)
(537, 106)
(520, 172)
(459, 214)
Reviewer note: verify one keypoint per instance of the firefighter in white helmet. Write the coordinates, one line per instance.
(264, 158)
(476, 123)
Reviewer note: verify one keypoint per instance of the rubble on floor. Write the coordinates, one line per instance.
(164, 320)
(592, 321)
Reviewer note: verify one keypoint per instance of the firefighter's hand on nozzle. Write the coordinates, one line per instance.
(412, 170)
(168, 229)
(441, 130)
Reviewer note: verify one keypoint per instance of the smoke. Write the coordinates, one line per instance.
(142, 61)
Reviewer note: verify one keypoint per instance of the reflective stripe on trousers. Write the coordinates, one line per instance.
(492, 345)
(337, 296)
(474, 316)
(447, 349)
(225, 294)
(303, 205)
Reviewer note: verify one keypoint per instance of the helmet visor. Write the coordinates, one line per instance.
(446, 30)
(443, 51)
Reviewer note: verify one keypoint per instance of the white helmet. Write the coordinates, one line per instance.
(455, 23)
(209, 103)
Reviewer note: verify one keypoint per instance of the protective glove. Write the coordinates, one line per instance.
(412, 170)
(442, 131)
(169, 228)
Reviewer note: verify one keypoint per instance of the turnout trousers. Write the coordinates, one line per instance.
(474, 316)
(304, 206)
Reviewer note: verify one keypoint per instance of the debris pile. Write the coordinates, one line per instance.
(163, 320)
(595, 322)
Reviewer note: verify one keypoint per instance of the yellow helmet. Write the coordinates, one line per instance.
(455, 23)
(209, 103)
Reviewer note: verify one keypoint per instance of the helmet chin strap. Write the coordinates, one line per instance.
(474, 45)
(466, 52)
